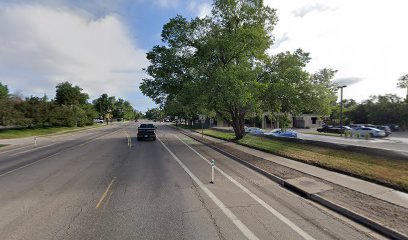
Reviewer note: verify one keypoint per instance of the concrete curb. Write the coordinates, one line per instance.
(386, 231)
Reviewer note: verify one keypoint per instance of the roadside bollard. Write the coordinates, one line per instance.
(212, 171)
(35, 141)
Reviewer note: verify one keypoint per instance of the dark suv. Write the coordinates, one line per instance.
(146, 131)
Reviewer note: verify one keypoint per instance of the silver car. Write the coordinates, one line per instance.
(372, 132)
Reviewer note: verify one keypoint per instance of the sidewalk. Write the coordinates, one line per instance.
(379, 207)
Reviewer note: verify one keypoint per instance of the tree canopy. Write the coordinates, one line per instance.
(70, 108)
(67, 94)
(403, 83)
(4, 92)
(220, 64)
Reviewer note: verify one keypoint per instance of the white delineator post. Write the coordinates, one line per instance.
(212, 171)
(35, 141)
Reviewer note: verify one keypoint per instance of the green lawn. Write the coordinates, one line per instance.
(390, 172)
(218, 134)
(30, 132)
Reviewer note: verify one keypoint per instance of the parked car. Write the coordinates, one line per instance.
(282, 133)
(254, 130)
(98, 120)
(386, 129)
(355, 125)
(336, 129)
(364, 131)
(393, 127)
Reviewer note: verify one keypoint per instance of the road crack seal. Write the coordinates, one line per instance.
(201, 199)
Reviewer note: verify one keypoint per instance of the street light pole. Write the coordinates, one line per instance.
(341, 108)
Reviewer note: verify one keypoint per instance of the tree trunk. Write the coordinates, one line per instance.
(238, 125)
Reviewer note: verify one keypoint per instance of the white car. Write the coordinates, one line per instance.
(364, 131)
(254, 130)
(98, 121)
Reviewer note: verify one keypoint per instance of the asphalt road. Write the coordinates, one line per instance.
(93, 186)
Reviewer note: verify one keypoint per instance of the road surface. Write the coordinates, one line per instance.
(93, 186)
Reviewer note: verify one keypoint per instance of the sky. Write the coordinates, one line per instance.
(101, 45)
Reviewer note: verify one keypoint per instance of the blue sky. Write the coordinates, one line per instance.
(100, 45)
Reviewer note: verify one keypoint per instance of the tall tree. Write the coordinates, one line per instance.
(218, 57)
(154, 114)
(67, 94)
(403, 83)
(104, 104)
(220, 64)
(4, 92)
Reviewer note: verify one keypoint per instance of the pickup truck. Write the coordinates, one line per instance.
(145, 131)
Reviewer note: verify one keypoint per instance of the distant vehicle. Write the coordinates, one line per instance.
(356, 125)
(146, 131)
(393, 127)
(331, 129)
(386, 129)
(98, 120)
(364, 131)
(282, 133)
(254, 130)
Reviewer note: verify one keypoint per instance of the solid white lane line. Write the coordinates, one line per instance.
(244, 229)
(15, 154)
(255, 197)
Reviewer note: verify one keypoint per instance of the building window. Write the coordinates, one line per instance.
(314, 120)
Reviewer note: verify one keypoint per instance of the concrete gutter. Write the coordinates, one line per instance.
(386, 231)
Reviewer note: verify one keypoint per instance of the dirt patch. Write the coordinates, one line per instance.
(380, 211)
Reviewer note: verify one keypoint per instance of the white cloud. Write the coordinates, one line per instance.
(200, 8)
(41, 46)
(167, 3)
(362, 39)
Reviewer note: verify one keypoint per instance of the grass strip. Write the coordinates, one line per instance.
(386, 171)
(30, 132)
(323, 134)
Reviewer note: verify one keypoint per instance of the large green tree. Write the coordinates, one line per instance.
(154, 114)
(291, 89)
(67, 94)
(217, 60)
(104, 104)
(403, 83)
(220, 64)
(4, 92)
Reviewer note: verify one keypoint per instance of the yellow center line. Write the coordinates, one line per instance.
(107, 200)
(105, 194)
